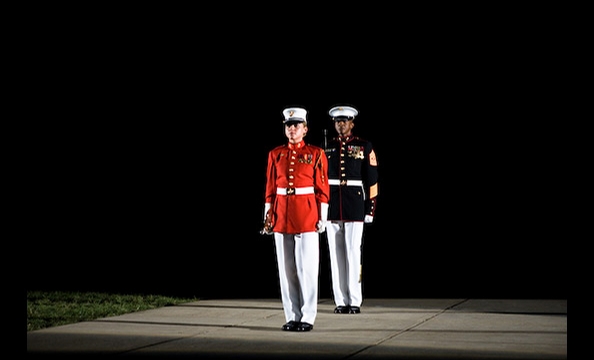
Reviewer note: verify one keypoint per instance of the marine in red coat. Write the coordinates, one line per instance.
(295, 210)
(296, 186)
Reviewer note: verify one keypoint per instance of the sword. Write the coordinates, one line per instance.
(325, 143)
(361, 260)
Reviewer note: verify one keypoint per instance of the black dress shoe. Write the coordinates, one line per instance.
(291, 326)
(304, 327)
(341, 309)
(354, 310)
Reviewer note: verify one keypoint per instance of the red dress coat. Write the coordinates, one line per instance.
(293, 170)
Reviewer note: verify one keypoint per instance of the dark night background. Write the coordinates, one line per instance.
(150, 164)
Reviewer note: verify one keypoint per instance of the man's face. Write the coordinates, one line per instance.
(343, 126)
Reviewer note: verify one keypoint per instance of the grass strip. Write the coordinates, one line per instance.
(53, 308)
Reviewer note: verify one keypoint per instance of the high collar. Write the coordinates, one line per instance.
(299, 145)
(346, 138)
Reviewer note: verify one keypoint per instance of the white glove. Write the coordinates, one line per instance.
(368, 219)
(324, 212)
(266, 230)
(266, 208)
(321, 225)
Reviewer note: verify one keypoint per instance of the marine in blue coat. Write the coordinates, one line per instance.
(353, 179)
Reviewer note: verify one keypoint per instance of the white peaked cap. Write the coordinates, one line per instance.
(347, 111)
(295, 114)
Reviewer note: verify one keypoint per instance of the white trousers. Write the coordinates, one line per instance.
(344, 246)
(298, 259)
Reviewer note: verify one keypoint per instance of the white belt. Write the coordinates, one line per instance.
(345, 182)
(295, 191)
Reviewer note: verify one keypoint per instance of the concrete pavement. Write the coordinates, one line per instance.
(385, 329)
